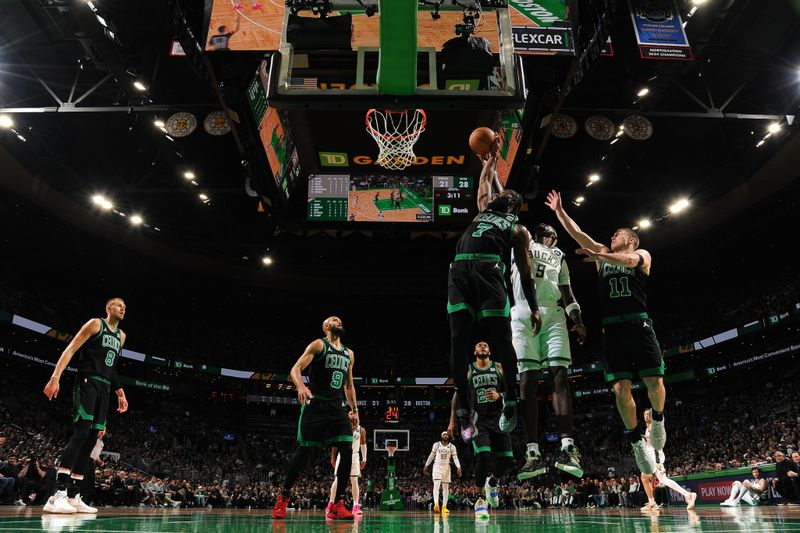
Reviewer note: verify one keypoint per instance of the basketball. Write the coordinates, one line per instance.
(482, 140)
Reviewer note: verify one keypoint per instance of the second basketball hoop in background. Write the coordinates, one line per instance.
(396, 132)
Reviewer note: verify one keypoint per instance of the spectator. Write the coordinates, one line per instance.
(786, 480)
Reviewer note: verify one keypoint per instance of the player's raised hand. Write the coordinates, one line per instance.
(304, 395)
(536, 321)
(554, 200)
(51, 389)
(581, 331)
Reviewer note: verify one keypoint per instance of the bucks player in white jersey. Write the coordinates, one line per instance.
(658, 458)
(549, 350)
(358, 464)
(441, 455)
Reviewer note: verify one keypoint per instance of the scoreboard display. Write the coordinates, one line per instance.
(454, 198)
(327, 197)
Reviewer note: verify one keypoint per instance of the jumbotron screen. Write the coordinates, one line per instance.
(390, 198)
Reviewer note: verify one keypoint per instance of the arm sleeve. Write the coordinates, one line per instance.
(363, 452)
(431, 456)
(563, 275)
(455, 455)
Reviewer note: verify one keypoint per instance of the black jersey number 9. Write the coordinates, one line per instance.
(110, 355)
(540, 271)
(336, 379)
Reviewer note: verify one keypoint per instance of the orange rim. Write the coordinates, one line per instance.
(397, 137)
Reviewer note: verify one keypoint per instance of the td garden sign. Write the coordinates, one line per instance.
(342, 159)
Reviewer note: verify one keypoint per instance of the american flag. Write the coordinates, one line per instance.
(303, 83)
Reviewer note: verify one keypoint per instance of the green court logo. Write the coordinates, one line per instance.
(333, 159)
(445, 210)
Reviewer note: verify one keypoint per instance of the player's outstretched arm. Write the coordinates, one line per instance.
(486, 181)
(521, 242)
(350, 387)
(90, 328)
(634, 259)
(304, 395)
(554, 203)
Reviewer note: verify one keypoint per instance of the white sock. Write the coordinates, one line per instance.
(667, 482)
(566, 442)
(533, 447)
(333, 488)
(651, 500)
(445, 493)
(436, 484)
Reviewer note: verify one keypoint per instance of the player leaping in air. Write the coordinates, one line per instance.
(629, 341)
(476, 291)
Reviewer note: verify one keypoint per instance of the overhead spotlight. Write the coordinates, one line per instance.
(679, 206)
(102, 202)
(5, 121)
(158, 123)
(136, 220)
(195, 183)
(203, 196)
(699, 2)
(775, 127)
(21, 138)
(140, 86)
(189, 175)
(266, 260)
(760, 143)
(620, 133)
(643, 92)
(644, 223)
(594, 178)
(580, 199)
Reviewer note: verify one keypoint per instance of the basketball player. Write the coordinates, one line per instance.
(359, 445)
(476, 290)
(322, 417)
(221, 40)
(547, 351)
(442, 452)
(486, 380)
(657, 456)
(753, 491)
(238, 7)
(98, 345)
(629, 341)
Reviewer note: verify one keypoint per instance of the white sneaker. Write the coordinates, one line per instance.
(20, 503)
(80, 506)
(492, 494)
(658, 435)
(730, 503)
(690, 501)
(643, 459)
(650, 507)
(58, 503)
(481, 509)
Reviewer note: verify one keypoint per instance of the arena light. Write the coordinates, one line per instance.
(775, 127)
(266, 260)
(158, 123)
(594, 178)
(136, 220)
(760, 143)
(189, 175)
(614, 140)
(102, 202)
(203, 196)
(679, 206)
(643, 92)
(6, 121)
(699, 2)
(645, 223)
(140, 86)
(21, 138)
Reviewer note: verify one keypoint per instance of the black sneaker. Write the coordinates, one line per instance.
(533, 467)
(569, 461)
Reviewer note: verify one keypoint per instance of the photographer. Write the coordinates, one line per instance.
(33, 486)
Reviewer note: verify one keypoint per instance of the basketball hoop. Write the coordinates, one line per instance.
(391, 448)
(396, 132)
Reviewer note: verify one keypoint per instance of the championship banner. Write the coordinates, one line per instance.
(659, 30)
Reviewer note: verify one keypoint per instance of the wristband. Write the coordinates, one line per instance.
(572, 307)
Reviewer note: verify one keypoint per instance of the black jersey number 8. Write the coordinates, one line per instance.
(110, 355)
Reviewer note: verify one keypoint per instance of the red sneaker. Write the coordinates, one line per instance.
(279, 511)
(341, 512)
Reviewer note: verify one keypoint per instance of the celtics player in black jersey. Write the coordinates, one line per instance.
(486, 382)
(323, 419)
(98, 345)
(476, 290)
(629, 341)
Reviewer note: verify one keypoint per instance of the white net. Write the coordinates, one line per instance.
(396, 132)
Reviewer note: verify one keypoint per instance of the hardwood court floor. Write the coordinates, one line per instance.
(675, 519)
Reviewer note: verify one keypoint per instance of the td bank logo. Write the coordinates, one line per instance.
(333, 159)
(445, 210)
